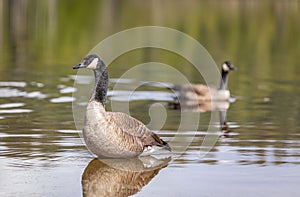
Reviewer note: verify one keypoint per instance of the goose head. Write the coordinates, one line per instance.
(227, 66)
(92, 62)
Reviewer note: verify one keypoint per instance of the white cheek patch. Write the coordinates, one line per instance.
(93, 64)
(225, 67)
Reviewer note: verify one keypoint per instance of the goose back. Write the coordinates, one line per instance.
(201, 93)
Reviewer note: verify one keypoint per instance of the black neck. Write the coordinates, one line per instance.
(101, 85)
(224, 80)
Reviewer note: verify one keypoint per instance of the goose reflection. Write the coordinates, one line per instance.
(223, 122)
(199, 106)
(120, 177)
(205, 106)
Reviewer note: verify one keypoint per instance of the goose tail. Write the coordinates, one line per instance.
(153, 144)
(161, 144)
(164, 145)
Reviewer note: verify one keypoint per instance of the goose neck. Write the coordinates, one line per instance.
(224, 80)
(101, 85)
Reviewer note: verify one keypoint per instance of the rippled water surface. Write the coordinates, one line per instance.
(42, 152)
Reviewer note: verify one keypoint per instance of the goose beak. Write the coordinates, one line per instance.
(77, 66)
(232, 67)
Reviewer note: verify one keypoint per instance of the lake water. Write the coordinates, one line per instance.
(42, 152)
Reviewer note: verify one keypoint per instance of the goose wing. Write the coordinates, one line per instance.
(198, 89)
(136, 128)
(128, 124)
(201, 89)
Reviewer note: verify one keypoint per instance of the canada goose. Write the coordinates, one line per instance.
(113, 134)
(202, 92)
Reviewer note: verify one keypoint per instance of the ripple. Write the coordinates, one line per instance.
(63, 99)
(11, 92)
(36, 94)
(15, 111)
(13, 83)
(6, 135)
(66, 89)
(10, 105)
(121, 80)
(157, 84)
(82, 79)
(37, 84)
(123, 95)
(68, 131)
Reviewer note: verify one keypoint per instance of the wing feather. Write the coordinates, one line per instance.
(136, 128)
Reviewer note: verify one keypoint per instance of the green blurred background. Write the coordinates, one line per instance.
(260, 36)
(41, 40)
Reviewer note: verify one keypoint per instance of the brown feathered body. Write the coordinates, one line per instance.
(201, 93)
(115, 134)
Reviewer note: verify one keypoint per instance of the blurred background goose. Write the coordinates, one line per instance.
(202, 92)
(113, 134)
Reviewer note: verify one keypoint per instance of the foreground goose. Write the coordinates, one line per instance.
(113, 134)
(202, 93)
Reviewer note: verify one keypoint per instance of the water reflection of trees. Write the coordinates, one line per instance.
(60, 27)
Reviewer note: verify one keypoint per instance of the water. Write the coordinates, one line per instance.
(42, 153)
